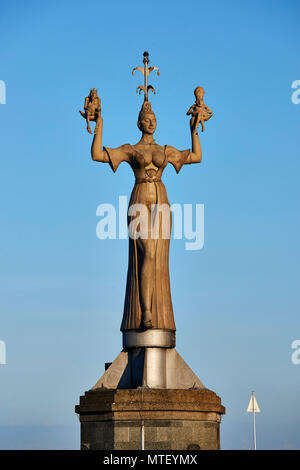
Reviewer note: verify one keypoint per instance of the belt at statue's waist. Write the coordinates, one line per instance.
(147, 180)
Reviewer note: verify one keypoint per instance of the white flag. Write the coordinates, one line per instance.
(253, 406)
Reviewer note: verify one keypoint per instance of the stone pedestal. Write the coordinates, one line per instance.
(165, 419)
(149, 398)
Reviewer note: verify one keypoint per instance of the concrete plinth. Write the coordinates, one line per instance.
(148, 367)
(168, 419)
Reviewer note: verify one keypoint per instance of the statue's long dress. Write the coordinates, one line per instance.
(161, 306)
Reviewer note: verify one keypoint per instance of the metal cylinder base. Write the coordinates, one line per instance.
(152, 338)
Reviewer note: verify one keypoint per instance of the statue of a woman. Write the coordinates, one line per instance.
(148, 302)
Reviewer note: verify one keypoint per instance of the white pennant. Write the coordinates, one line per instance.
(253, 406)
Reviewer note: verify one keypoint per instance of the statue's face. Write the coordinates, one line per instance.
(199, 94)
(148, 123)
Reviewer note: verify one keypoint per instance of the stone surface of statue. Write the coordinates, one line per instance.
(148, 302)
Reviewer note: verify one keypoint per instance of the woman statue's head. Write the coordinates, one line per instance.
(147, 120)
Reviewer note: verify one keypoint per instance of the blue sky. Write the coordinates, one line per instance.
(236, 301)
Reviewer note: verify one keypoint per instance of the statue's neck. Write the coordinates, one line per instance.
(147, 139)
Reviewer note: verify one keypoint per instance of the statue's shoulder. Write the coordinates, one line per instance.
(160, 147)
(170, 151)
(127, 148)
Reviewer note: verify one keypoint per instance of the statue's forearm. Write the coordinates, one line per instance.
(196, 154)
(98, 155)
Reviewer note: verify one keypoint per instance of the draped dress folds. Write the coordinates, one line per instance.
(161, 304)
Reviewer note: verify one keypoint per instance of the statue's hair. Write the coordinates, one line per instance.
(145, 109)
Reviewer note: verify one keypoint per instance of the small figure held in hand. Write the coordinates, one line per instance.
(200, 112)
(92, 108)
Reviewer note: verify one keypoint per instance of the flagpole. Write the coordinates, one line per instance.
(254, 430)
(253, 408)
(254, 423)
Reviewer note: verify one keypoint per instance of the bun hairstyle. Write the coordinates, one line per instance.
(145, 109)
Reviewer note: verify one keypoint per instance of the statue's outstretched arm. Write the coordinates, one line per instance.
(196, 154)
(98, 155)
